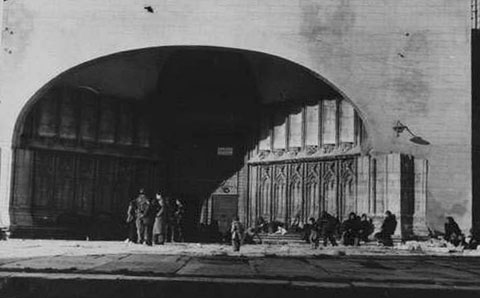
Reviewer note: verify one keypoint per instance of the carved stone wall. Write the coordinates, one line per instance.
(303, 188)
(284, 191)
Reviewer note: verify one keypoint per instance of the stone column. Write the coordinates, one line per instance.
(394, 191)
(363, 185)
(5, 185)
(380, 196)
(420, 206)
(388, 186)
(243, 194)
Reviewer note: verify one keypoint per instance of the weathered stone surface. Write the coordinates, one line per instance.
(293, 268)
(217, 266)
(61, 263)
(144, 263)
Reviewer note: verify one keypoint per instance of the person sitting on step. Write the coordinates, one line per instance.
(351, 230)
(388, 229)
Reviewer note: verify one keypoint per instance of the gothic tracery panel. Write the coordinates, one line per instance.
(44, 178)
(279, 199)
(295, 193)
(64, 182)
(106, 133)
(264, 191)
(85, 185)
(329, 187)
(286, 192)
(312, 190)
(123, 184)
(125, 124)
(105, 186)
(347, 186)
(88, 119)
(68, 116)
(47, 116)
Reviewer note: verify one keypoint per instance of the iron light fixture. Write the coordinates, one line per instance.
(400, 128)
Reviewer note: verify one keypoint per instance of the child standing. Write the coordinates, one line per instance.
(237, 233)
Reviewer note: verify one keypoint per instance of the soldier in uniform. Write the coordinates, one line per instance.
(327, 225)
(143, 218)
(179, 216)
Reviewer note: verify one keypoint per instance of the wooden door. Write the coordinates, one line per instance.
(224, 210)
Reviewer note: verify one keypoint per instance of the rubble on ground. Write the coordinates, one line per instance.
(15, 248)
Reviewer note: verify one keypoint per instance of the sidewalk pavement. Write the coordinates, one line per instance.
(104, 269)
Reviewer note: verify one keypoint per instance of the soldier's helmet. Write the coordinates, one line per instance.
(141, 191)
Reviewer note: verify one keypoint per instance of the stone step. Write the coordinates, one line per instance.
(285, 236)
(289, 238)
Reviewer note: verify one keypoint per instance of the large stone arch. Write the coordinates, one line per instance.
(392, 69)
(23, 217)
(20, 113)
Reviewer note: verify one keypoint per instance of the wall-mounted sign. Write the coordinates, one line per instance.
(225, 151)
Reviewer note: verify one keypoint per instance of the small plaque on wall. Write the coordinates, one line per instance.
(225, 151)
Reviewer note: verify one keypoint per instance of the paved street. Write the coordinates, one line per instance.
(293, 267)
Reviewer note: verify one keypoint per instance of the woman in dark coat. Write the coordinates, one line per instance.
(161, 217)
(131, 227)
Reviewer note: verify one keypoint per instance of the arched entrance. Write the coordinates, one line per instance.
(227, 131)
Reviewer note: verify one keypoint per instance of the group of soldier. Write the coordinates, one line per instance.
(353, 230)
(155, 221)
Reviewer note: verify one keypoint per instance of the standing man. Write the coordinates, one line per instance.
(131, 229)
(143, 218)
(237, 233)
(160, 226)
(170, 225)
(179, 216)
